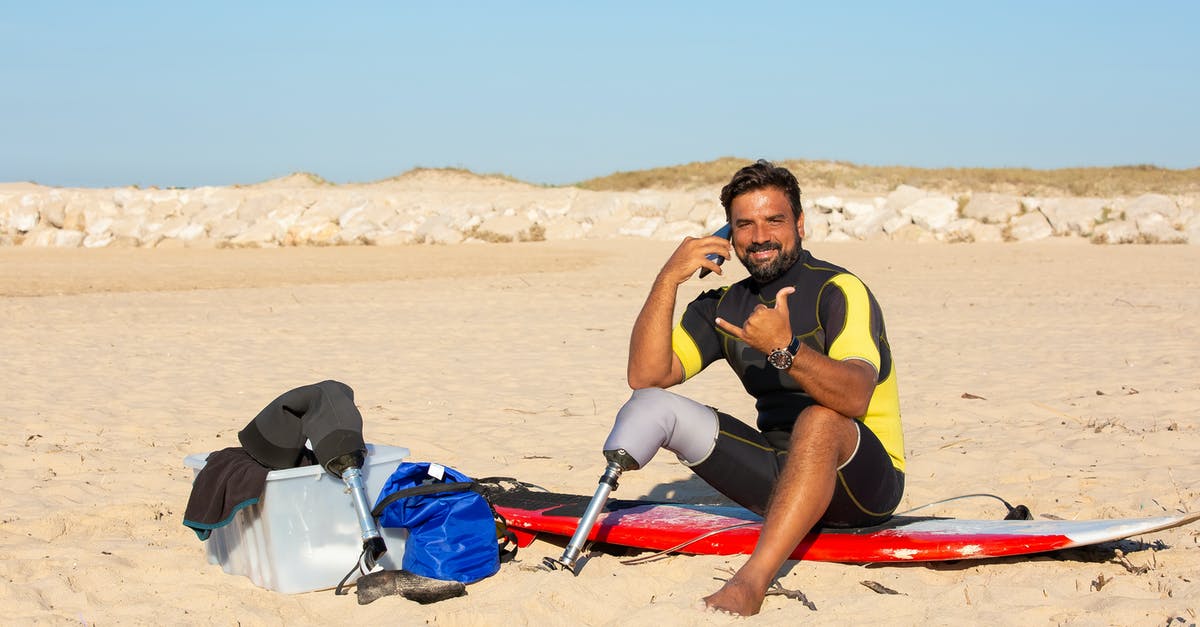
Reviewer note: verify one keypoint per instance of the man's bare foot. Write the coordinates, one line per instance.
(736, 597)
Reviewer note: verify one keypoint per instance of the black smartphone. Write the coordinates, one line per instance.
(725, 232)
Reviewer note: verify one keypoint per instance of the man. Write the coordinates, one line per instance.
(807, 340)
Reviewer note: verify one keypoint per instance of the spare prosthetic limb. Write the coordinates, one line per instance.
(618, 462)
(349, 468)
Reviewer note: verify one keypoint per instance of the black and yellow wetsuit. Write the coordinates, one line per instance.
(833, 312)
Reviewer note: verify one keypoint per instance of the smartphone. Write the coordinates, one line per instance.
(725, 232)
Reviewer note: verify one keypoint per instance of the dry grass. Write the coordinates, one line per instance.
(1103, 182)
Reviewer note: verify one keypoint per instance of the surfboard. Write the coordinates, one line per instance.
(730, 530)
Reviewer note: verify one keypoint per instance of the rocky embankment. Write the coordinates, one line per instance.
(449, 207)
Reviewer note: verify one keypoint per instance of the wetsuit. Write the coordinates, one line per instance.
(832, 312)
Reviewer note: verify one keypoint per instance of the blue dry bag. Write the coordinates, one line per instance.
(451, 530)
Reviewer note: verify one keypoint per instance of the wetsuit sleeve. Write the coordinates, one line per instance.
(851, 321)
(695, 340)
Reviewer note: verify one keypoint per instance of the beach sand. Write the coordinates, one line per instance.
(509, 360)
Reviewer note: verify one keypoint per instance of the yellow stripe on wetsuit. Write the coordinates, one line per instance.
(854, 340)
(687, 351)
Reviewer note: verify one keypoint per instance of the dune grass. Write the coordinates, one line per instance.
(1112, 181)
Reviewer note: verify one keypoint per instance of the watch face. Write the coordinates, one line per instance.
(780, 358)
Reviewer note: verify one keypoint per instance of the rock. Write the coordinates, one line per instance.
(24, 215)
(856, 210)
(640, 226)
(563, 228)
(1073, 215)
(226, 229)
(1153, 228)
(47, 237)
(315, 230)
(1148, 205)
(981, 232)
(505, 228)
(902, 197)
(829, 204)
(1192, 229)
(932, 213)
(1029, 227)
(265, 233)
(895, 223)
(991, 208)
(958, 230)
(436, 230)
(816, 226)
(869, 225)
(1115, 232)
(399, 238)
(676, 231)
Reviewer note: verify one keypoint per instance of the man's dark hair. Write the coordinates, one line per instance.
(760, 175)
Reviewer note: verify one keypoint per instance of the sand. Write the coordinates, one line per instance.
(509, 359)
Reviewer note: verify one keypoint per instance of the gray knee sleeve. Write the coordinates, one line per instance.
(653, 418)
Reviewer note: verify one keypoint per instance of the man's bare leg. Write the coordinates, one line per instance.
(822, 440)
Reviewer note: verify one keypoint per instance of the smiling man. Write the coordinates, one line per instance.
(807, 340)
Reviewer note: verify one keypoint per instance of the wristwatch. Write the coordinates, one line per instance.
(781, 358)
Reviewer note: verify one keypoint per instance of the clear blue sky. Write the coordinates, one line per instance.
(215, 93)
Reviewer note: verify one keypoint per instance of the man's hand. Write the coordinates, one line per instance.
(767, 328)
(690, 256)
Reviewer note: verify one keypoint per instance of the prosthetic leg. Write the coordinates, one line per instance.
(618, 462)
(349, 468)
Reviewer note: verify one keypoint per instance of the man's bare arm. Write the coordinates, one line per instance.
(652, 363)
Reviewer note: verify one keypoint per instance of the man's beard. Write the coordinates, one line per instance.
(771, 270)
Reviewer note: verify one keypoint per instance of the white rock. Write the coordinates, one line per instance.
(869, 225)
(958, 230)
(992, 208)
(24, 215)
(816, 226)
(225, 229)
(1073, 215)
(932, 213)
(895, 223)
(854, 210)
(981, 232)
(1150, 204)
(51, 237)
(676, 231)
(1154, 228)
(1115, 232)
(1192, 229)
(563, 228)
(640, 226)
(1029, 227)
(436, 230)
(904, 196)
(98, 240)
(829, 204)
(266, 233)
(514, 228)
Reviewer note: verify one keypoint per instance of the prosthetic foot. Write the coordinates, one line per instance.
(618, 462)
(349, 467)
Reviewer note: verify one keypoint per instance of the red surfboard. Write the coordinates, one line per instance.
(728, 530)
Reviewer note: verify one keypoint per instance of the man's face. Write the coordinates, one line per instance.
(765, 237)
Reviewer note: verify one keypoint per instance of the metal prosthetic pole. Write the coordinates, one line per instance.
(372, 541)
(618, 462)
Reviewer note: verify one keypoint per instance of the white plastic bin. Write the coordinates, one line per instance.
(303, 534)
